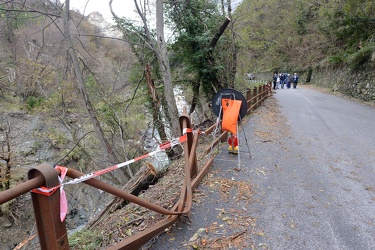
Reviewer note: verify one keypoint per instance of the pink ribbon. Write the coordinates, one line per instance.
(63, 201)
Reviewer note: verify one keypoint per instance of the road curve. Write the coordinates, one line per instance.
(312, 176)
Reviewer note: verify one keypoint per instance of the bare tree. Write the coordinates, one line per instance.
(232, 64)
(110, 155)
(159, 48)
(162, 55)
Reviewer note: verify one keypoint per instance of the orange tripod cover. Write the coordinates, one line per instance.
(231, 111)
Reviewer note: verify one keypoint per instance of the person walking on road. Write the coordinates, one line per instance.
(282, 80)
(295, 80)
(274, 80)
(287, 80)
(278, 81)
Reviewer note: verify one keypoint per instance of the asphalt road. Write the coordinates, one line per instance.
(311, 174)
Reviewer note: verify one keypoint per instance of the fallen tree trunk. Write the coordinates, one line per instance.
(146, 176)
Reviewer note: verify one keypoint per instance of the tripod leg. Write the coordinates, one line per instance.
(247, 143)
(239, 159)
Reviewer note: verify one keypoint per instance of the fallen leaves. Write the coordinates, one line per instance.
(242, 190)
(196, 235)
(262, 171)
(234, 229)
(237, 241)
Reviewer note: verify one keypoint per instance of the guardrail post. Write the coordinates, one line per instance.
(248, 98)
(269, 89)
(262, 93)
(255, 97)
(266, 90)
(52, 232)
(185, 123)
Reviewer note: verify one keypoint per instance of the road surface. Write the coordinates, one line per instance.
(308, 181)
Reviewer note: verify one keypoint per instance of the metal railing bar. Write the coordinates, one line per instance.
(134, 241)
(122, 194)
(210, 129)
(21, 189)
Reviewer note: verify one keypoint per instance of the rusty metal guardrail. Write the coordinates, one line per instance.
(52, 232)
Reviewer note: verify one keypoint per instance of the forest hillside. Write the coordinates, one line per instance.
(329, 43)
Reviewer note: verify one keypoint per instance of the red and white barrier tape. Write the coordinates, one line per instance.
(49, 191)
(98, 173)
(63, 201)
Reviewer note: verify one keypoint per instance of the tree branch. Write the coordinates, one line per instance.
(219, 33)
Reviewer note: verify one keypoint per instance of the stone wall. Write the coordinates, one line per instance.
(357, 83)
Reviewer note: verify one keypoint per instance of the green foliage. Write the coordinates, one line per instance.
(269, 32)
(85, 239)
(75, 155)
(7, 208)
(57, 138)
(33, 78)
(361, 57)
(348, 25)
(352, 28)
(135, 74)
(336, 59)
(303, 34)
(90, 82)
(116, 121)
(34, 102)
(108, 115)
(136, 37)
(17, 19)
(195, 23)
(301, 18)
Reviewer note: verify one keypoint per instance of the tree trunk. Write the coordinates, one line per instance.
(233, 64)
(194, 102)
(210, 58)
(166, 71)
(309, 75)
(156, 116)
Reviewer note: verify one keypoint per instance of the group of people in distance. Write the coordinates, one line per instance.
(282, 79)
